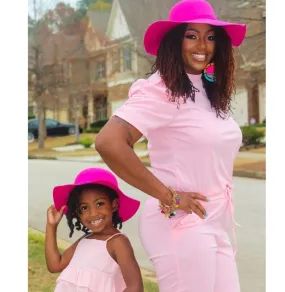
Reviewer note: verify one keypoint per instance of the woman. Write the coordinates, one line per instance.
(183, 110)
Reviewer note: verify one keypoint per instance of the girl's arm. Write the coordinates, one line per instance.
(124, 256)
(57, 262)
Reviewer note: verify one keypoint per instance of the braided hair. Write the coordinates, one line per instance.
(74, 210)
(169, 63)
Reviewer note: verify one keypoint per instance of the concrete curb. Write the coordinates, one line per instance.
(247, 174)
(38, 157)
(146, 274)
(237, 173)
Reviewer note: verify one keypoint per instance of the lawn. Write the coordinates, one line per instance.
(40, 280)
(52, 142)
(241, 164)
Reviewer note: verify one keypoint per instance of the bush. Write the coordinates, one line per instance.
(99, 124)
(264, 123)
(251, 136)
(86, 142)
(92, 130)
(30, 116)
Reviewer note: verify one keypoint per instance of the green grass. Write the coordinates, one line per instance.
(40, 280)
(150, 286)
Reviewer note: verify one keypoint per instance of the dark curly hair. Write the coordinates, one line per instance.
(73, 207)
(169, 63)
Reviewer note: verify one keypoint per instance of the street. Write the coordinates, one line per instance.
(249, 213)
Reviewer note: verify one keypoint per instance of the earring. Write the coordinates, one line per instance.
(209, 72)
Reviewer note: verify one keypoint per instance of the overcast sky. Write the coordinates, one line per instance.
(44, 5)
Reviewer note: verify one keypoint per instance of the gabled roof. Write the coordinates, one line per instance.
(99, 20)
(141, 13)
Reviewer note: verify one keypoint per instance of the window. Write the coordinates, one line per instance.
(33, 124)
(30, 109)
(100, 70)
(67, 67)
(117, 61)
(92, 70)
(51, 123)
(127, 59)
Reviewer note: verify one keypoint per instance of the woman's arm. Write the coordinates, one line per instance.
(114, 144)
(124, 256)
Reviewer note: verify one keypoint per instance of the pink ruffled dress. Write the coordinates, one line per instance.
(91, 269)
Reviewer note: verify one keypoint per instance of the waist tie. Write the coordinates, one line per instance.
(228, 195)
(231, 209)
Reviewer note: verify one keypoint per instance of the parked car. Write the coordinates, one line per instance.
(53, 128)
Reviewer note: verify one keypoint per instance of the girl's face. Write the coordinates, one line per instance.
(96, 210)
(198, 47)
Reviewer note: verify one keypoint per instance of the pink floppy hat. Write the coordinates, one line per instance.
(190, 11)
(127, 206)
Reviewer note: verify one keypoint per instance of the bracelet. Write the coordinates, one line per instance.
(170, 211)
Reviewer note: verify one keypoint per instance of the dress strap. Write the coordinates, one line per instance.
(114, 236)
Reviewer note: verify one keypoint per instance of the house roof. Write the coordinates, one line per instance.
(99, 20)
(140, 14)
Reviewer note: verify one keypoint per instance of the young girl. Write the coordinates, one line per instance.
(103, 259)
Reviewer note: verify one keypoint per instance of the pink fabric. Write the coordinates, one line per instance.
(91, 269)
(190, 150)
(190, 11)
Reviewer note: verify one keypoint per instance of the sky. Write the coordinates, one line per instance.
(44, 5)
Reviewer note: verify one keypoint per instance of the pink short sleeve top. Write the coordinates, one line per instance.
(190, 148)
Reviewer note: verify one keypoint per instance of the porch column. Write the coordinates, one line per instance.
(252, 87)
(90, 118)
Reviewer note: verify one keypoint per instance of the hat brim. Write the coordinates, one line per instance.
(157, 30)
(127, 206)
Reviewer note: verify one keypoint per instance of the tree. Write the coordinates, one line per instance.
(100, 6)
(49, 48)
(84, 5)
(38, 35)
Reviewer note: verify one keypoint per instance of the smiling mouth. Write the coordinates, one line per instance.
(199, 57)
(95, 223)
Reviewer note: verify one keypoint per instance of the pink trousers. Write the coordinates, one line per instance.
(190, 254)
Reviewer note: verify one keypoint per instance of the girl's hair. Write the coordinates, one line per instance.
(169, 63)
(74, 210)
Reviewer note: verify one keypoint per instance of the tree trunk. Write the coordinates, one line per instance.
(253, 101)
(42, 126)
(77, 120)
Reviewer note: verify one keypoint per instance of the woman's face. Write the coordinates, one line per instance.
(198, 47)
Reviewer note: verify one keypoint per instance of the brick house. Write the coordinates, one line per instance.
(110, 57)
(127, 61)
(96, 45)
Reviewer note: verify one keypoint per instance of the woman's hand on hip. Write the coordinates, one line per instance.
(189, 202)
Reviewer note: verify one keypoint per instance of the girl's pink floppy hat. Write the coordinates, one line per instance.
(127, 206)
(190, 11)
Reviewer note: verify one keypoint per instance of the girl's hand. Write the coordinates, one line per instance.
(189, 202)
(53, 216)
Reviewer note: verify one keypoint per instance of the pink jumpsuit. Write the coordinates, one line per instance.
(190, 150)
